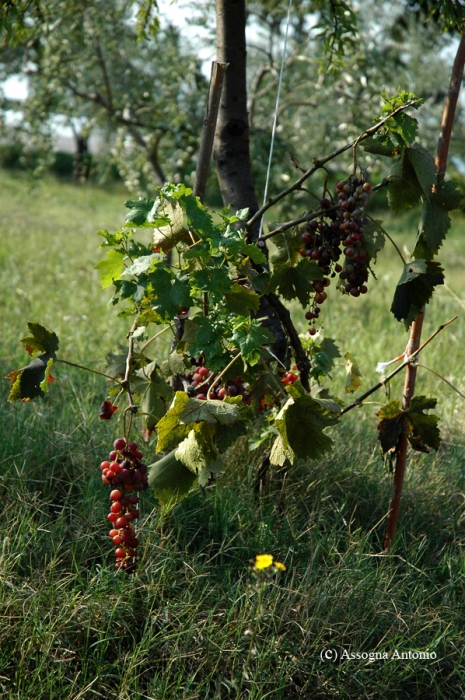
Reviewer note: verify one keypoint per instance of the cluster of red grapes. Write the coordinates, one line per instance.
(201, 378)
(289, 377)
(125, 470)
(339, 233)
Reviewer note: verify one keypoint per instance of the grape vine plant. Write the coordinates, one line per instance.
(223, 369)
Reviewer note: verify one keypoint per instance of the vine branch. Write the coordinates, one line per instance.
(318, 163)
(409, 361)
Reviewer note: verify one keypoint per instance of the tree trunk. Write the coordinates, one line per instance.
(231, 148)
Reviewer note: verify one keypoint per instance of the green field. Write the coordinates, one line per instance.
(190, 624)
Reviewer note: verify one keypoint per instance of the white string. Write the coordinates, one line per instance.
(275, 118)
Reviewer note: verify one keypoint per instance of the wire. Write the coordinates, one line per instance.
(275, 118)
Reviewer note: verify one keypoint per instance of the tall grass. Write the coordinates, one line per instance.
(189, 624)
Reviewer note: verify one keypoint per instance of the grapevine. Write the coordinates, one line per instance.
(222, 295)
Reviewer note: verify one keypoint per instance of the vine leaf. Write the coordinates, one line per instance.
(155, 394)
(353, 374)
(374, 238)
(415, 289)
(27, 383)
(214, 280)
(424, 167)
(404, 190)
(111, 268)
(254, 253)
(287, 245)
(199, 454)
(139, 210)
(40, 340)
(296, 282)
(184, 411)
(171, 480)
(241, 301)
(435, 221)
(420, 428)
(249, 336)
(390, 425)
(226, 435)
(300, 423)
(401, 128)
(31, 381)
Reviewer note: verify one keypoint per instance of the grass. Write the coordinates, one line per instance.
(182, 628)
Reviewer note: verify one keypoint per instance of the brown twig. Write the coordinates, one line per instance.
(126, 384)
(88, 369)
(314, 215)
(318, 163)
(415, 332)
(398, 369)
(301, 359)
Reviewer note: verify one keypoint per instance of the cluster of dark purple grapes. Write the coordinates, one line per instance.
(125, 470)
(338, 235)
(201, 378)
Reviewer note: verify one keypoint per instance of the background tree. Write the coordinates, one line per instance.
(90, 65)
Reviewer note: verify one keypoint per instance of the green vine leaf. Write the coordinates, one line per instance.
(139, 210)
(241, 301)
(421, 429)
(111, 268)
(435, 221)
(415, 289)
(185, 411)
(249, 336)
(301, 423)
(199, 454)
(288, 245)
(171, 480)
(254, 253)
(401, 128)
(40, 340)
(373, 233)
(424, 167)
(404, 190)
(155, 393)
(296, 282)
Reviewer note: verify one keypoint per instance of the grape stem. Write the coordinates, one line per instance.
(210, 389)
(443, 379)
(410, 360)
(88, 369)
(308, 217)
(387, 236)
(154, 337)
(126, 385)
(319, 163)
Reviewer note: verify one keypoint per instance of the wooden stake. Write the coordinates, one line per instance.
(415, 331)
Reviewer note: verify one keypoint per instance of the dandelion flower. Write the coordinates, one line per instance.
(263, 561)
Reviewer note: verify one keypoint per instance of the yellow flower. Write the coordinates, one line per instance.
(280, 566)
(263, 561)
